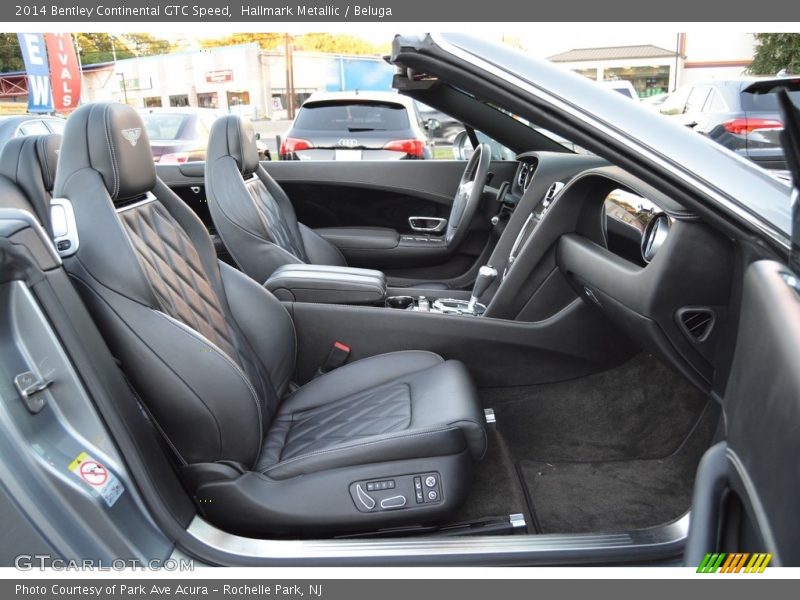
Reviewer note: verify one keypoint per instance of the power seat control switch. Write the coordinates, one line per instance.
(396, 493)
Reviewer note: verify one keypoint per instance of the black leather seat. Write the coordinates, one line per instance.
(212, 355)
(30, 162)
(252, 214)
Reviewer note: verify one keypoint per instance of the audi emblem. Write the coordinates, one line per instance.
(348, 142)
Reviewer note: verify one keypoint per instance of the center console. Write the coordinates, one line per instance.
(448, 305)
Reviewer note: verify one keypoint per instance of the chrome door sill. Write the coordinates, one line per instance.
(639, 546)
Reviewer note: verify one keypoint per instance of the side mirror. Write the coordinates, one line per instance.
(462, 146)
(432, 125)
(258, 135)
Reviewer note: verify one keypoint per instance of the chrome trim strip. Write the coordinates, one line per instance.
(648, 152)
(148, 198)
(556, 548)
(69, 224)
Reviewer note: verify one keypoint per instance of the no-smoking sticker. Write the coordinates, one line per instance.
(95, 475)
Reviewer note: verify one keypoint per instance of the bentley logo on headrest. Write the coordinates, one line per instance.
(132, 135)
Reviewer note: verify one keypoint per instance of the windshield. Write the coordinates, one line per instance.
(352, 116)
(764, 98)
(163, 126)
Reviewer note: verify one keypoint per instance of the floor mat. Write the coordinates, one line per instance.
(495, 488)
(616, 495)
(641, 409)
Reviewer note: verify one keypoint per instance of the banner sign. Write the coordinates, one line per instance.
(65, 72)
(34, 53)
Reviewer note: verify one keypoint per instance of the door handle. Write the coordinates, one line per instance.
(427, 224)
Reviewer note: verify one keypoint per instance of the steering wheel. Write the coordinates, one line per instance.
(468, 196)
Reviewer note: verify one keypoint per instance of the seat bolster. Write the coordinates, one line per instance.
(447, 395)
(359, 376)
(319, 250)
(407, 444)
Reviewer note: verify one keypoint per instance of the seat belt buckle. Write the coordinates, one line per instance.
(338, 355)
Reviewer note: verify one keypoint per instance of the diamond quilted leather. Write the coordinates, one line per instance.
(279, 231)
(371, 413)
(173, 267)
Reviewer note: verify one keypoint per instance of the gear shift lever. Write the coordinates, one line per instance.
(486, 275)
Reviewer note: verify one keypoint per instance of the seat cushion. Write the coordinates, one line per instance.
(388, 407)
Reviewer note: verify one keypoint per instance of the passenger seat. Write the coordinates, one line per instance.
(383, 442)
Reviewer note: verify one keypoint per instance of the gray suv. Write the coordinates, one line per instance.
(740, 114)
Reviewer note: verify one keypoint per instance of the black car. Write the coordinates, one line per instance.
(358, 126)
(741, 114)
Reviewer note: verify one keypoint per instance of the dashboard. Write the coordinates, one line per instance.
(654, 269)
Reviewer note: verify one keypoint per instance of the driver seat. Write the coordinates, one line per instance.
(252, 214)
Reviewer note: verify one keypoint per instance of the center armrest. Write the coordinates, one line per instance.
(327, 284)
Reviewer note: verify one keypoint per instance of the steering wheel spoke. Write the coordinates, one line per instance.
(468, 195)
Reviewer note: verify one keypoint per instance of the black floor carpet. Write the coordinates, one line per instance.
(605, 452)
(616, 495)
(641, 409)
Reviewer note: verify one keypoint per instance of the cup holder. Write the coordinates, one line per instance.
(400, 302)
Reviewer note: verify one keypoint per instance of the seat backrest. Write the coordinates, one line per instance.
(252, 214)
(30, 162)
(208, 350)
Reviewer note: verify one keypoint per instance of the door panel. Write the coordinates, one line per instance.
(364, 194)
(748, 487)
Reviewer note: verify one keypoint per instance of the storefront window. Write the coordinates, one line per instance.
(207, 100)
(179, 100)
(152, 102)
(238, 98)
(590, 73)
(647, 81)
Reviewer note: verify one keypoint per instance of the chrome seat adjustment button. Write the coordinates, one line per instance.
(366, 500)
(393, 502)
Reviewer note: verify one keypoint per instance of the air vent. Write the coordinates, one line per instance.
(697, 322)
(523, 175)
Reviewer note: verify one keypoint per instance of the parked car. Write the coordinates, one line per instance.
(358, 126)
(621, 86)
(179, 135)
(448, 126)
(16, 125)
(740, 114)
(408, 362)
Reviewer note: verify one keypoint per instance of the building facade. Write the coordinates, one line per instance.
(655, 69)
(242, 79)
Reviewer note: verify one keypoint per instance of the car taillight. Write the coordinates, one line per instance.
(748, 125)
(290, 145)
(415, 148)
(176, 158)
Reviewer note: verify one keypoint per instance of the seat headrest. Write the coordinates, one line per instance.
(110, 138)
(234, 136)
(30, 162)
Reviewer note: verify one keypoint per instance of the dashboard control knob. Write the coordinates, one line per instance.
(430, 481)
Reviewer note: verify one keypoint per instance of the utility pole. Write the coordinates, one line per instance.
(290, 108)
(80, 66)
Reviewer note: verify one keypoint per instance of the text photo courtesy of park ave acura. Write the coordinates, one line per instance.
(353, 299)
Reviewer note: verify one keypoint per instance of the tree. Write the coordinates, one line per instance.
(775, 52)
(265, 41)
(102, 47)
(10, 54)
(312, 42)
